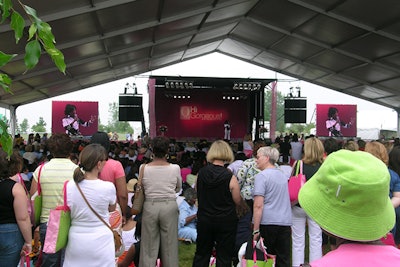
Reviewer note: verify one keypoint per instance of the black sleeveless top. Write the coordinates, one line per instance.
(7, 214)
(213, 194)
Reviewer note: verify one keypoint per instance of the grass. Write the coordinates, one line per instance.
(186, 254)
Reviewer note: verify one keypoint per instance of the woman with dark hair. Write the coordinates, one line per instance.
(161, 181)
(71, 121)
(90, 241)
(15, 225)
(333, 124)
(52, 175)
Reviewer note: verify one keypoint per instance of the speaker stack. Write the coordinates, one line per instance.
(130, 107)
(295, 110)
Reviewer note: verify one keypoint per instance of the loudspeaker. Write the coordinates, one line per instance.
(130, 114)
(295, 115)
(298, 102)
(135, 100)
(130, 108)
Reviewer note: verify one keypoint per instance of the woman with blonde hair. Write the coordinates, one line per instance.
(312, 161)
(217, 195)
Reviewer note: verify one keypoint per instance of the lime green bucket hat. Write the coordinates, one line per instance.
(349, 196)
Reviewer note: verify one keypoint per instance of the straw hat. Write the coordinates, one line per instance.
(349, 196)
(131, 184)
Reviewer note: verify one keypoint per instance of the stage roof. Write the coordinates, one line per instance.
(349, 46)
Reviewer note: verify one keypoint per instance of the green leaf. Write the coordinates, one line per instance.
(5, 10)
(32, 12)
(58, 58)
(5, 58)
(32, 31)
(6, 141)
(32, 54)
(46, 35)
(5, 82)
(18, 25)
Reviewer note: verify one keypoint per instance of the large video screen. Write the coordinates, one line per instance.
(336, 120)
(86, 114)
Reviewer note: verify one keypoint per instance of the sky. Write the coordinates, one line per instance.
(369, 115)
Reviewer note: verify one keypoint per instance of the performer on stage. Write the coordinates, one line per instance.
(333, 124)
(227, 127)
(71, 121)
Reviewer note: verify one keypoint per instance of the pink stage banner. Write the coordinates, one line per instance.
(200, 116)
(336, 120)
(86, 114)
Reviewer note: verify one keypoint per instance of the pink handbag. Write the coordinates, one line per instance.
(58, 226)
(296, 181)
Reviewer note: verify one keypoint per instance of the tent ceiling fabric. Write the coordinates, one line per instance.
(349, 46)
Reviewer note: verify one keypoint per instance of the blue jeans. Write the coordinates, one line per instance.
(50, 260)
(11, 242)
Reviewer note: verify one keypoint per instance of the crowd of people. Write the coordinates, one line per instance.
(217, 195)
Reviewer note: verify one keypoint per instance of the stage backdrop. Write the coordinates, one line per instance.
(200, 116)
(84, 110)
(346, 113)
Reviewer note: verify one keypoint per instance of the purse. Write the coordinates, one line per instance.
(138, 200)
(256, 255)
(37, 200)
(118, 242)
(29, 201)
(296, 181)
(58, 226)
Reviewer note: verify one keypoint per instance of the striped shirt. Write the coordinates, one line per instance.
(52, 178)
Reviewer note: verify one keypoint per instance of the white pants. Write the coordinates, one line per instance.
(299, 220)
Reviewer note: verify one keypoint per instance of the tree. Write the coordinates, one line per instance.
(24, 126)
(40, 37)
(40, 126)
(280, 109)
(301, 128)
(114, 125)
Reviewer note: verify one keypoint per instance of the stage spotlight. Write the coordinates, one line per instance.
(174, 96)
(224, 97)
(188, 96)
(166, 84)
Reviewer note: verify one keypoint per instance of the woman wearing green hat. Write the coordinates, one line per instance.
(348, 198)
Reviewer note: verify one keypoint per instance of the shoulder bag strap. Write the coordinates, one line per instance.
(90, 207)
(65, 194)
(39, 188)
(301, 166)
(22, 182)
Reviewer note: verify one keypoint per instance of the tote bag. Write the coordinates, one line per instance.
(37, 200)
(296, 181)
(58, 226)
(256, 255)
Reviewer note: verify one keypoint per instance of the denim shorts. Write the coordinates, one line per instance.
(11, 242)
